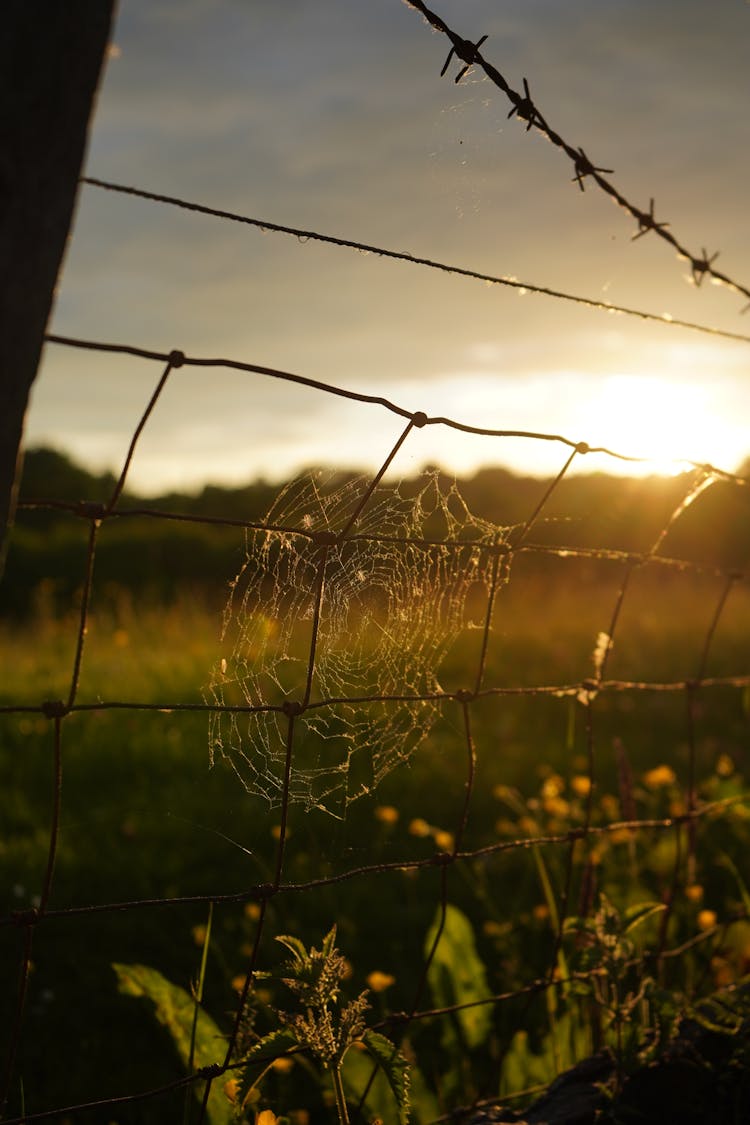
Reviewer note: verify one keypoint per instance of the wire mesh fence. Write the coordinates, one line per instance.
(335, 674)
(500, 746)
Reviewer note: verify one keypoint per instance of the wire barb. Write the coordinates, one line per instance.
(465, 50)
(647, 221)
(584, 167)
(702, 266)
(524, 108)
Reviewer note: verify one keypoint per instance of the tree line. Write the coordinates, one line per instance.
(165, 558)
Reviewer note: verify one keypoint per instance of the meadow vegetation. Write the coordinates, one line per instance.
(656, 919)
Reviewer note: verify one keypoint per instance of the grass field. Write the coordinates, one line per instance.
(143, 816)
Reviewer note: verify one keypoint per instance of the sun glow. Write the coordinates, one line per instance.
(665, 421)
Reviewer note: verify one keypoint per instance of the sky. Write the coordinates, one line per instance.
(332, 116)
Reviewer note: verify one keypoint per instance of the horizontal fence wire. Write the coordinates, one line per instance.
(586, 694)
(462, 848)
(304, 235)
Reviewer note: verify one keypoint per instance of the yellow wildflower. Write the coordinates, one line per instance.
(541, 911)
(707, 919)
(444, 840)
(496, 929)
(238, 982)
(231, 1089)
(386, 814)
(419, 827)
(694, 893)
(621, 835)
(199, 934)
(723, 973)
(556, 806)
(266, 1116)
(581, 785)
(282, 1065)
(724, 766)
(252, 911)
(378, 982)
(610, 806)
(505, 827)
(658, 777)
(553, 786)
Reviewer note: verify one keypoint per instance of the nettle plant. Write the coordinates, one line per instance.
(327, 1027)
(319, 1028)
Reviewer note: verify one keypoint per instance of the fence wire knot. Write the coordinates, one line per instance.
(465, 50)
(213, 1070)
(292, 708)
(91, 510)
(54, 709)
(324, 538)
(28, 917)
(584, 167)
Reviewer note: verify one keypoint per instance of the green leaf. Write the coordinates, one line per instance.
(175, 1010)
(457, 976)
(388, 1091)
(329, 942)
(563, 1046)
(394, 1066)
(726, 1012)
(262, 1055)
(634, 915)
(295, 947)
(731, 866)
(522, 1068)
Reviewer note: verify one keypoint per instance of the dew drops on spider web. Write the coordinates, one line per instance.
(385, 604)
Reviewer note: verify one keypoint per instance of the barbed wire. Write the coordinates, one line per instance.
(585, 695)
(304, 235)
(526, 111)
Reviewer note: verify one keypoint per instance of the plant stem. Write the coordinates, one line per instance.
(338, 1089)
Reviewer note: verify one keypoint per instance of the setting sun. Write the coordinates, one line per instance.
(661, 420)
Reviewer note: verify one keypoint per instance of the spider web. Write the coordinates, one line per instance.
(352, 621)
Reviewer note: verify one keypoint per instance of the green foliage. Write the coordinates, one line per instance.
(726, 1012)
(524, 1068)
(613, 976)
(197, 1040)
(458, 976)
(138, 791)
(393, 1074)
(326, 1026)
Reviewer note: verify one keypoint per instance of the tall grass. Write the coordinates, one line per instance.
(144, 817)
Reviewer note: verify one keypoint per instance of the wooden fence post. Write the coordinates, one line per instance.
(50, 60)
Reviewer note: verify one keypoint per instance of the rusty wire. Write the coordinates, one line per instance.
(526, 110)
(304, 235)
(684, 824)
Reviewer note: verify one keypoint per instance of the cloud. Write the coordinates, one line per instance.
(333, 116)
